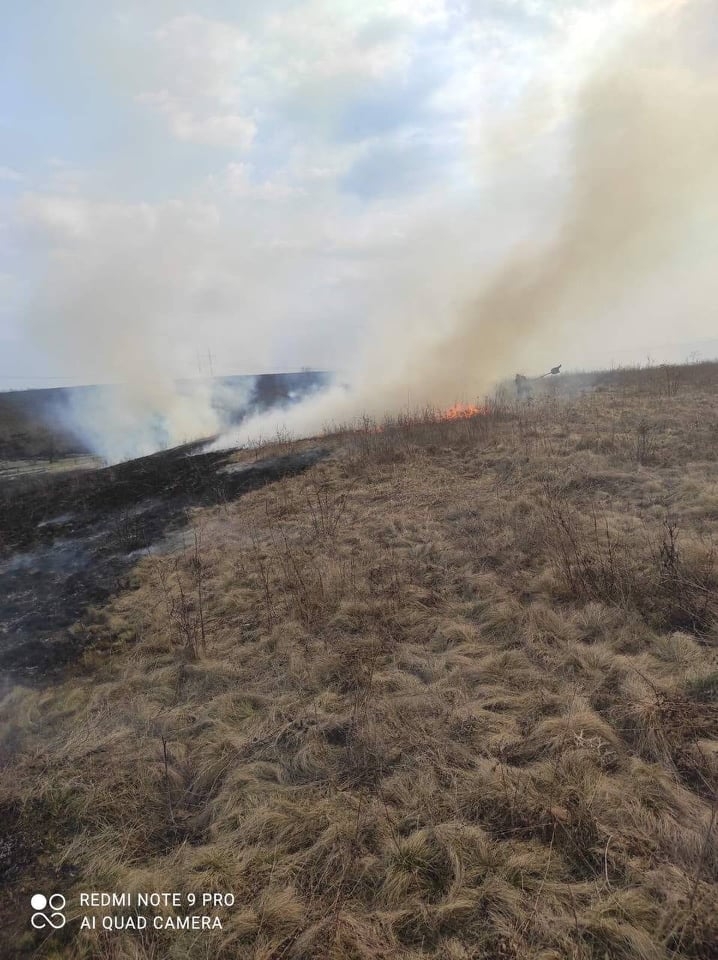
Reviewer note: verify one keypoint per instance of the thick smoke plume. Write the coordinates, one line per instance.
(127, 420)
(584, 194)
(641, 143)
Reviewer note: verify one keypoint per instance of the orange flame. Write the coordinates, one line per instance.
(458, 411)
(461, 411)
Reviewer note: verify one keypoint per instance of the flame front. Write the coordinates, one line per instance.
(461, 411)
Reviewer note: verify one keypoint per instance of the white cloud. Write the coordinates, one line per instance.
(212, 129)
(59, 217)
(239, 182)
(218, 130)
(216, 84)
(201, 54)
(14, 176)
(197, 59)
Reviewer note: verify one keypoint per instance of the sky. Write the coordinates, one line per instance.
(263, 186)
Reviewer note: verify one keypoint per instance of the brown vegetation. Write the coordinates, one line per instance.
(451, 693)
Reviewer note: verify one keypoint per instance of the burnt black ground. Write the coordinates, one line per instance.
(67, 542)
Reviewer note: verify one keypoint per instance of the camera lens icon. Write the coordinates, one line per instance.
(55, 904)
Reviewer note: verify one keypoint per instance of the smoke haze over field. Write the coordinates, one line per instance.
(431, 196)
(128, 420)
(640, 179)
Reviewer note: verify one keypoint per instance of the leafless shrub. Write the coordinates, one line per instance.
(593, 563)
(644, 442)
(635, 569)
(129, 531)
(326, 507)
(184, 603)
(689, 585)
(669, 380)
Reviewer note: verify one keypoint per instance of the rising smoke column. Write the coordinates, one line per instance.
(642, 142)
(642, 166)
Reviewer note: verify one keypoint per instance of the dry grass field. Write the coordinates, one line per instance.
(451, 693)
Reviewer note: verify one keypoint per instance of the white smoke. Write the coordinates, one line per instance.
(576, 213)
(122, 421)
(639, 181)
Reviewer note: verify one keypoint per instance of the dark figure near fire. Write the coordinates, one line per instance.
(523, 388)
(523, 384)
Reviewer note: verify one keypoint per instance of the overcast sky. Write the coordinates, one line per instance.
(253, 179)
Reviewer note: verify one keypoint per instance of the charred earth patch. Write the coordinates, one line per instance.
(67, 542)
